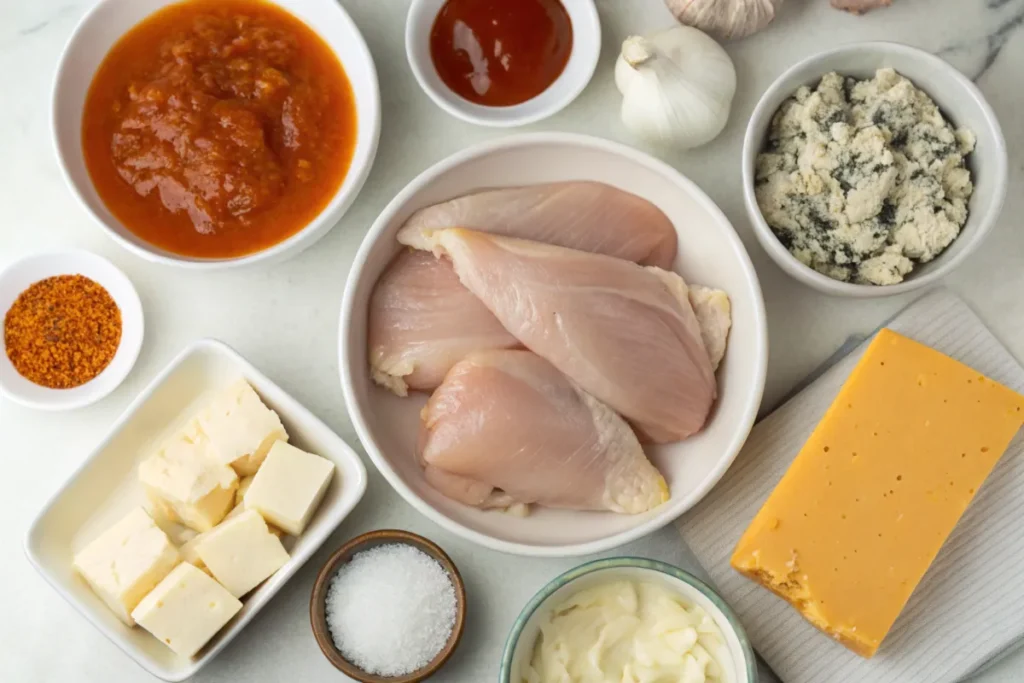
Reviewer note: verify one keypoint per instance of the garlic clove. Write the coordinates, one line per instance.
(636, 51)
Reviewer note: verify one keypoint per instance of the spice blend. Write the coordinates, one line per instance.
(62, 331)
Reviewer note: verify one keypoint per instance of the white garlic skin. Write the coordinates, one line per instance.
(681, 95)
(725, 19)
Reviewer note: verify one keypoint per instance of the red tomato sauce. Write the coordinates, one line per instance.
(218, 128)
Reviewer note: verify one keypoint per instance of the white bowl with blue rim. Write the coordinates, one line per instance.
(519, 647)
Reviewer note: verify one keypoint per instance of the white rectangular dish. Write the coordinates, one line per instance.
(105, 487)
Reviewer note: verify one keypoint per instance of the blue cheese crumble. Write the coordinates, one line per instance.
(862, 179)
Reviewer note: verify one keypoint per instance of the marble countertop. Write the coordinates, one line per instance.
(284, 318)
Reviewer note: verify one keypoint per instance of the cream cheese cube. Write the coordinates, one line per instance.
(289, 486)
(243, 485)
(186, 609)
(241, 552)
(186, 483)
(240, 428)
(188, 552)
(239, 509)
(126, 562)
(167, 520)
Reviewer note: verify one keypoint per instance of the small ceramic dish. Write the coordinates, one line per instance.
(318, 603)
(104, 24)
(960, 101)
(586, 48)
(710, 253)
(17, 277)
(521, 640)
(105, 487)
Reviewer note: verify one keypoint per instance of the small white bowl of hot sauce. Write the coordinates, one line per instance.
(499, 63)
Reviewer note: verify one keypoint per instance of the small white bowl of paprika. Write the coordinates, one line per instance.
(72, 329)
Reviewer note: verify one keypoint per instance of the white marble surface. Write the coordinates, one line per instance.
(284, 318)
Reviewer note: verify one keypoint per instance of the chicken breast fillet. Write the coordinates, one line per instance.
(583, 215)
(422, 321)
(625, 334)
(506, 428)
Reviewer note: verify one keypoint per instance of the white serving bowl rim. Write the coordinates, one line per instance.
(368, 124)
(586, 50)
(640, 565)
(21, 274)
(753, 141)
(669, 510)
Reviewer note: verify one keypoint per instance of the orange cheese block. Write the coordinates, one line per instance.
(861, 513)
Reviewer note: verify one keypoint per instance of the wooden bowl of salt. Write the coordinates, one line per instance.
(388, 607)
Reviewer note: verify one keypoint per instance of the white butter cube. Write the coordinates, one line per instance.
(241, 552)
(243, 485)
(185, 482)
(289, 486)
(186, 609)
(126, 562)
(239, 509)
(240, 428)
(167, 520)
(188, 552)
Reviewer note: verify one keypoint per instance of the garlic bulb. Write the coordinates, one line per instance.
(725, 19)
(676, 85)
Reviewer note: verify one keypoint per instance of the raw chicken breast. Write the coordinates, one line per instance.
(625, 334)
(472, 492)
(507, 427)
(714, 316)
(422, 321)
(587, 215)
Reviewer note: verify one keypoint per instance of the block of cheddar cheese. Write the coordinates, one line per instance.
(863, 510)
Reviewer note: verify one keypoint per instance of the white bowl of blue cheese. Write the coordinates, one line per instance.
(872, 169)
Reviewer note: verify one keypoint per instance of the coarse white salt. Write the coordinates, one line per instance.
(391, 609)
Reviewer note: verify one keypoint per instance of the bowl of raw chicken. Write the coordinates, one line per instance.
(552, 344)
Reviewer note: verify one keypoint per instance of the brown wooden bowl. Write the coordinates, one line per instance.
(318, 604)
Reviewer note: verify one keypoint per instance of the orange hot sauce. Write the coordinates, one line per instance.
(500, 53)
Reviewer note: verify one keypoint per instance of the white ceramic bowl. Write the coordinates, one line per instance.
(20, 275)
(710, 253)
(960, 101)
(586, 47)
(104, 25)
(521, 640)
(105, 487)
